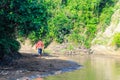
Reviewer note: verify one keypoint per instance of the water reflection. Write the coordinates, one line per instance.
(94, 68)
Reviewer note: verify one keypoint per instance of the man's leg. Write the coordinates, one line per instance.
(40, 52)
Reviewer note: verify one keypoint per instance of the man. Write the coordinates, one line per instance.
(39, 47)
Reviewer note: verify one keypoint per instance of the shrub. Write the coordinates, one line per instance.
(116, 40)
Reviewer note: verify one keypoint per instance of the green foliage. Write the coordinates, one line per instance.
(77, 36)
(52, 20)
(21, 19)
(8, 46)
(105, 13)
(30, 17)
(59, 23)
(116, 40)
(14, 45)
(78, 19)
(105, 17)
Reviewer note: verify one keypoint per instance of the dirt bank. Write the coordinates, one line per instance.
(31, 65)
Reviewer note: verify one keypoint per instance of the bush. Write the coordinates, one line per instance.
(14, 45)
(116, 40)
(8, 47)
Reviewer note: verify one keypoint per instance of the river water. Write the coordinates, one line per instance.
(95, 67)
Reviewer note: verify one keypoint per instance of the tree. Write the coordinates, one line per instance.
(20, 18)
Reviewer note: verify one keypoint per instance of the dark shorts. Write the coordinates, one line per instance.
(40, 51)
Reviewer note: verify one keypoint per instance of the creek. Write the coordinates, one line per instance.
(95, 67)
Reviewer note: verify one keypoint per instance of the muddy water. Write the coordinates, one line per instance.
(95, 67)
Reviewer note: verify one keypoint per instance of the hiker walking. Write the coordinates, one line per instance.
(39, 47)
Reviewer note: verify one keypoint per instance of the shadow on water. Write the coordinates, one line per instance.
(31, 64)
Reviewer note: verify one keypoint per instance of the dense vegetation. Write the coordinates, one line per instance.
(72, 20)
(77, 20)
(19, 19)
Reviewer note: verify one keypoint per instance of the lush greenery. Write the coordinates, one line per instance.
(77, 20)
(21, 19)
(116, 39)
(71, 20)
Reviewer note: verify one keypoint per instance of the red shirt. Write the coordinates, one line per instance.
(39, 44)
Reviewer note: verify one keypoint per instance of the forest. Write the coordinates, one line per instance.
(75, 21)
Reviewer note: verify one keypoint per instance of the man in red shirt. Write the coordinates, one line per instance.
(39, 47)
